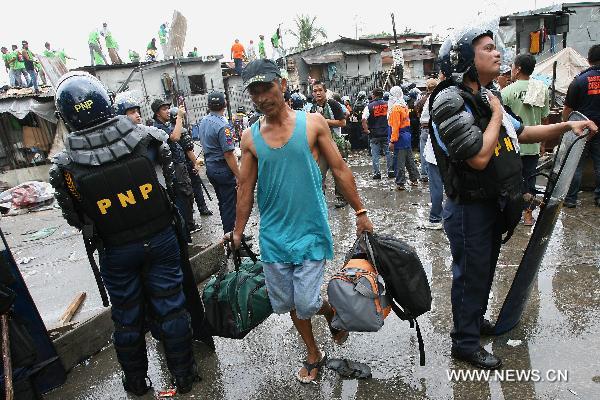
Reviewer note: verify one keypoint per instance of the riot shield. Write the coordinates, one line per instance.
(559, 180)
(47, 371)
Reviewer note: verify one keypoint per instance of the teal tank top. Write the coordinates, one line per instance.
(293, 211)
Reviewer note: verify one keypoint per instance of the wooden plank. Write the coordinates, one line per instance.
(72, 308)
(87, 339)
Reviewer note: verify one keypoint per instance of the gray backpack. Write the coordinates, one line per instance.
(357, 295)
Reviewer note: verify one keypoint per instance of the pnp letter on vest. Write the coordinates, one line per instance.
(124, 199)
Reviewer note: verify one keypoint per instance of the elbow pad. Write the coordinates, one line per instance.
(186, 142)
(63, 198)
(456, 126)
(167, 164)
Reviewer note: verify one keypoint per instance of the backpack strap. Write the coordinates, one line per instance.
(421, 344)
(413, 324)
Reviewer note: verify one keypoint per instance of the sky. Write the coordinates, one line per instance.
(213, 26)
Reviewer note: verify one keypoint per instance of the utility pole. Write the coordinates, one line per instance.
(399, 68)
(394, 29)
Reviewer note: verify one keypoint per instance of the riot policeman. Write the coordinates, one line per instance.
(184, 193)
(217, 140)
(106, 185)
(187, 145)
(476, 144)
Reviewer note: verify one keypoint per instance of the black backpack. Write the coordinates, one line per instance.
(405, 280)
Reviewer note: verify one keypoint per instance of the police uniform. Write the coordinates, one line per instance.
(482, 205)
(583, 95)
(106, 185)
(217, 139)
(182, 184)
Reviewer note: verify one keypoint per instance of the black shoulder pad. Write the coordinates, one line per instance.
(446, 103)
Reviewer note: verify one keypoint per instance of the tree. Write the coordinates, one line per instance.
(306, 31)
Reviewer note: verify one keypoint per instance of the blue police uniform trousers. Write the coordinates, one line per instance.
(196, 186)
(220, 176)
(475, 233)
(144, 281)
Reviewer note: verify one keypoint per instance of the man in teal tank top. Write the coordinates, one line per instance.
(279, 153)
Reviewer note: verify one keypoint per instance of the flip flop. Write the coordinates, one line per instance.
(309, 367)
(339, 336)
(349, 369)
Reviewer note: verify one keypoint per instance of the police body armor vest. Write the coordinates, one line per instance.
(121, 195)
(378, 121)
(501, 177)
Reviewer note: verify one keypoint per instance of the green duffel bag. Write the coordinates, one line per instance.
(237, 302)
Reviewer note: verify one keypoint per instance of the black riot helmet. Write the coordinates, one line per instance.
(124, 104)
(457, 57)
(82, 101)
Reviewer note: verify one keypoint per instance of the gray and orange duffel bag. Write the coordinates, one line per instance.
(357, 294)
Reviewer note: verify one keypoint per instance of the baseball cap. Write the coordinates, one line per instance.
(158, 103)
(262, 70)
(216, 99)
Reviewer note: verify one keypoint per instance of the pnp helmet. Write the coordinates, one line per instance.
(457, 57)
(386, 96)
(125, 102)
(82, 101)
(361, 95)
(241, 110)
(297, 101)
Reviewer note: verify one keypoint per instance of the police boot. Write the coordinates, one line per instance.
(480, 358)
(185, 383)
(138, 385)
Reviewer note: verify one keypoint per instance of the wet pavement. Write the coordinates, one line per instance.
(559, 332)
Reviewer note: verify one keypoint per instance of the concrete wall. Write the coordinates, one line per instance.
(149, 83)
(15, 177)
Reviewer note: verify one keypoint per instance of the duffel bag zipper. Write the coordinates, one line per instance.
(250, 307)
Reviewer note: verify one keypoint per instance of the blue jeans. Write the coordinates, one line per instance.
(592, 147)
(422, 142)
(220, 176)
(32, 79)
(403, 160)
(436, 192)
(474, 232)
(238, 65)
(376, 145)
(144, 280)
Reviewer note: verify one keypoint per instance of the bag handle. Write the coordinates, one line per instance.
(237, 258)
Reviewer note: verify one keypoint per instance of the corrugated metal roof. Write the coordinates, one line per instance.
(45, 91)
(324, 59)
(417, 54)
(359, 52)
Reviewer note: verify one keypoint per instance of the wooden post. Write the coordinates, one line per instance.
(6, 361)
(72, 308)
